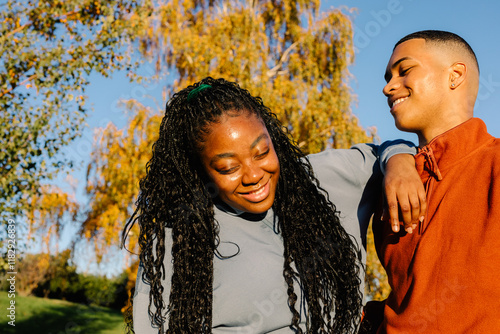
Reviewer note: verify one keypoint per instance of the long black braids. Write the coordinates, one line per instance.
(174, 194)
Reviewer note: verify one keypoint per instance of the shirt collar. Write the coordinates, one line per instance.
(451, 147)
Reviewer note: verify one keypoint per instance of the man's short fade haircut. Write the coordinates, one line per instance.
(441, 37)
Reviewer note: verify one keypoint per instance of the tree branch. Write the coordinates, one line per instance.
(20, 84)
(20, 28)
(272, 72)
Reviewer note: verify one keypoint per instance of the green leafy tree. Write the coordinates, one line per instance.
(48, 49)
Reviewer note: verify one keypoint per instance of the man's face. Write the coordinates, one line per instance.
(417, 78)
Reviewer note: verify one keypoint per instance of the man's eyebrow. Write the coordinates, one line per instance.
(387, 76)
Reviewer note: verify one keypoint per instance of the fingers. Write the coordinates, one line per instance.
(423, 203)
(408, 208)
(418, 207)
(404, 193)
(401, 209)
(392, 208)
(410, 211)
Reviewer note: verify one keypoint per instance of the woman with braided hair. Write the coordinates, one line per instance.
(236, 234)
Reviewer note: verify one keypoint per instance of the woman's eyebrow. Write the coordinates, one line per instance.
(221, 156)
(232, 155)
(259, 138)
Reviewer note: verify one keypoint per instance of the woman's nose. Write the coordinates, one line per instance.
(252, 173)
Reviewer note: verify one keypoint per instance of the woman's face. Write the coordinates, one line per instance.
(239, 157)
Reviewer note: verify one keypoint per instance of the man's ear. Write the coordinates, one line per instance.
(458, 72)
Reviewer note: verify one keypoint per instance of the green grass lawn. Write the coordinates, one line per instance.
(51, 316)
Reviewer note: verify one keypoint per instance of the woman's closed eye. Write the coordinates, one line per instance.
(225, 171)
(262, 155)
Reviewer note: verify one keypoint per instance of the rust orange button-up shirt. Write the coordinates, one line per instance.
(445, 276)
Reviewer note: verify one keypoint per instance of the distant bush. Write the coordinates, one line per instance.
(102, 291)
(32, 268)
(54, 276)
(60, 279)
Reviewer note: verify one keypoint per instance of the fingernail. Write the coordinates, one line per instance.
(413, 226)
(395, 226)
(409, 230)
(422, 219)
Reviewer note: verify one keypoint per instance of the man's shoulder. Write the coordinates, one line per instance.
(489, 154)
(493, 145)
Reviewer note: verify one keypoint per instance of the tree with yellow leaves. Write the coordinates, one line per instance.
(48, 211)
(376, 283)
(117, 164)
(287, 52)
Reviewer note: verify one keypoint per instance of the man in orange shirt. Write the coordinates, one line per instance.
(445, 276)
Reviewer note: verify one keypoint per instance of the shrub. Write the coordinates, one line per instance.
(54, 276)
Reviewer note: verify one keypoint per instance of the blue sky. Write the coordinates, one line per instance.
(378, 25)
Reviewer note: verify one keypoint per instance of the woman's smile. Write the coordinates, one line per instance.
(257, 195)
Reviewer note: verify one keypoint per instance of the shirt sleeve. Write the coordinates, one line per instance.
(357, 164)
(389, 149)
(352, 178)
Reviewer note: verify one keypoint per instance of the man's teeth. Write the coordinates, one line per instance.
(398, 101)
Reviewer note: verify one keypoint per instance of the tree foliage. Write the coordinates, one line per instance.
(377, 285)
(33, 268)
(48, 211)
(47, 50)
(287, 52)
(56, 276)
(117, 164)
